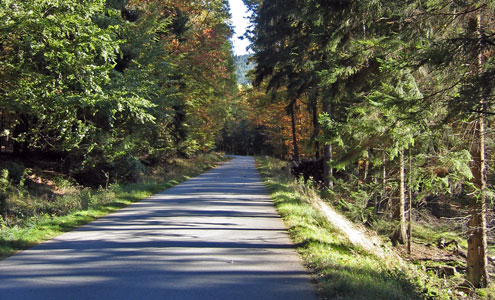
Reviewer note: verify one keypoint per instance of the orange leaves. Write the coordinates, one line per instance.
(273, 116)
(195, 38)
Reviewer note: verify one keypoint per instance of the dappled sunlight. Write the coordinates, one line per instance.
(186, 242)
(348, 262)
(357, 237)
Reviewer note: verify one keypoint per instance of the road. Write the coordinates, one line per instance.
(216, 236)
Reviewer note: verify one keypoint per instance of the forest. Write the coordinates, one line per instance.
(385, 107)
(113, 85)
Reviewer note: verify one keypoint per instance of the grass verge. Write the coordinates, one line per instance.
(98, 203)
(342, 270)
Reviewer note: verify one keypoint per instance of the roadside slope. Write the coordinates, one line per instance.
(347, 264)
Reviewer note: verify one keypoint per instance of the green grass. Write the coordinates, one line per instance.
(100, 202)
(427, 233)
(342, 270)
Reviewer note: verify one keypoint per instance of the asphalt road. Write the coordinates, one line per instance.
(216, 236)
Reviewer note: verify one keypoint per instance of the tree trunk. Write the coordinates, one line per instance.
(316, 124)
(327, 152)
(477, 272)
(2, 124)
(398, 205)
(402, 201)
(384, 180)
(292, 111)
(409, 220)
(366, 168)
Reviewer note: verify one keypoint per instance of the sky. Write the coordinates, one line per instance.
(240, 22)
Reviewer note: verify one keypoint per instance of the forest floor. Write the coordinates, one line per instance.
(351, 261)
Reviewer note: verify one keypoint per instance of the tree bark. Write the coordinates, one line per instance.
(398, 207)
(292, 111)
(409, 216)
(402, 200)
(327, 152)
(366, 168)
(316, 124)
(477, 272)
(384, 180)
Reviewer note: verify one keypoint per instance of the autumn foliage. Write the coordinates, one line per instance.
(113, 85)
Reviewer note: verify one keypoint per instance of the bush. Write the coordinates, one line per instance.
(16, 171)
(129, 168)
(4, 191)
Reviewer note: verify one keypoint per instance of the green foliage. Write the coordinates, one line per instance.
(344, 270)
(370, 63)
(393, 78)
(56, 62)
(16, 171)
(4, 191)
(104, 84)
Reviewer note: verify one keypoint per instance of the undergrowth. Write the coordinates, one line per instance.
(341, 269)
(34, 216)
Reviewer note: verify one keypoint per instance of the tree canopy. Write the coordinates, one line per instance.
(385, 80)
(392, 99)
(108, 84)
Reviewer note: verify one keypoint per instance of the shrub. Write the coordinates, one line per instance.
(4, 191)
(16, 171)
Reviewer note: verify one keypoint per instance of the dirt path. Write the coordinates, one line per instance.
(216, 236)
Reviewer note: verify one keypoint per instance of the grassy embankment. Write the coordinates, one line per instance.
(73, 206)
(343, 270)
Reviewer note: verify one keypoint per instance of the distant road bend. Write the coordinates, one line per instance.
(216, 236)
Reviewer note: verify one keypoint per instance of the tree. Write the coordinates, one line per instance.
(464, 48)
(55, 63)
(388, 75)
(280, 39)
(108, 85)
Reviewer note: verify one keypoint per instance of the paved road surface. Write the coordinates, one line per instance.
(216, 236)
